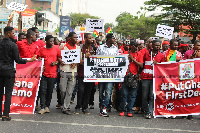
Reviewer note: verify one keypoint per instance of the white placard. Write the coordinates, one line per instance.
(70, 56)
(79, 36)
(16, 6)
(104, 68)
(164, 31)
(95, 24)
(42, 35)
(154, 38)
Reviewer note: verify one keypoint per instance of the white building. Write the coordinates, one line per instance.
(52, 21)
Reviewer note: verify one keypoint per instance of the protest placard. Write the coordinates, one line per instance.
(16, 6)
(176, 88)
(80, 36)
(26, 87)
(154, 38)
(100, 68)
(95, 24)
(164, 31)
(70, 56)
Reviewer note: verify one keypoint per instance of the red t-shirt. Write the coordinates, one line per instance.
(57, 46)
(50, 55)
(40, 43)
(26, 50)
(147, 72)
(133, 68)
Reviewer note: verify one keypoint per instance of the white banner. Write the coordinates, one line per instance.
(164, 31)
(70, 56)
(17, 6)
(95, 24)
(100, 68)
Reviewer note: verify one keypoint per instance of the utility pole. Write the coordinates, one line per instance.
(20, 23)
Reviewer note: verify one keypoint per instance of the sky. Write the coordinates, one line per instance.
(105, 9)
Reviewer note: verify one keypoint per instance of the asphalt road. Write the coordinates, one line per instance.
(56, 122)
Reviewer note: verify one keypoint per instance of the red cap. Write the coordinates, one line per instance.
(183, 45)
(165, 42)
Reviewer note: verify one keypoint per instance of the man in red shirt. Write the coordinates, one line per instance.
(150, 57)
(38, 42)
(21, 36)
(26, 47)
(51, 54)
(128, 94)
(149, 47)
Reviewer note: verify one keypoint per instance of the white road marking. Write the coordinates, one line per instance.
(108, 126)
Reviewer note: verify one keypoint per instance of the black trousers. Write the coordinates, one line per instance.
(7, 80)
(83, 94)
(46, 90)
(91, 101)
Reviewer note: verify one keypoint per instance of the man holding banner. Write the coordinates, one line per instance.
(8, 54)
(106, 49)
(84, 88)
(27, 48)
(150, 57)
(172, 54)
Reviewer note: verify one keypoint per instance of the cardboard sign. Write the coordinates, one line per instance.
(95, 24)
(17, 6)
(104, 68)
(70, 56)
(164, 31)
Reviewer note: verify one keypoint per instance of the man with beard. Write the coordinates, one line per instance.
(150, 57)
(84, 88)
(38, 42)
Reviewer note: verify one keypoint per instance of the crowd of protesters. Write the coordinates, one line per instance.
(69, 77)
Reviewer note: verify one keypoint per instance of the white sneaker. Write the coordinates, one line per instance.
(47, 110)
(42, 111)
(173, 117)
(166, 117)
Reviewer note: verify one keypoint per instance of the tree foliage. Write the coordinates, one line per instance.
(107, 25)
(179, 13)
(37, 8)
(79, 19)
(142, 27)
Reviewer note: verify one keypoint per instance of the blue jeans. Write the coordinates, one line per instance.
(104, 100)
(127, 95)
(147, 96)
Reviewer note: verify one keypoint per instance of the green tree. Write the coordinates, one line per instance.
(37, 8)
(179, 13)
(142, 27)
(57, 30)
(107, 25)
(79, 19)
